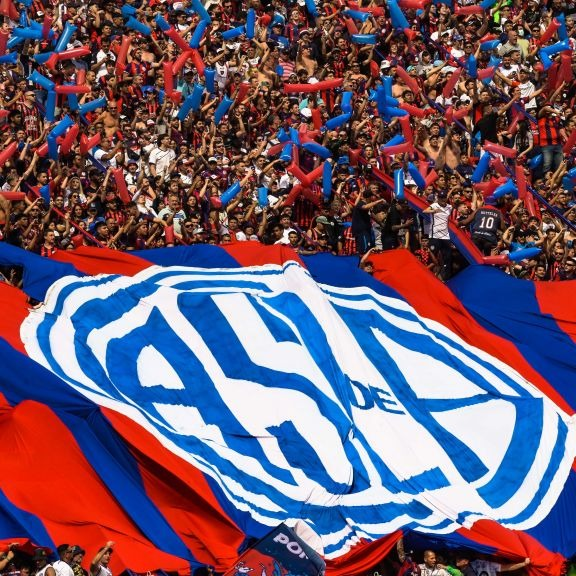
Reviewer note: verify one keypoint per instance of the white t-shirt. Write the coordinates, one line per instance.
(526, 90)
(162, 160)
(62, 569)
(439, 227)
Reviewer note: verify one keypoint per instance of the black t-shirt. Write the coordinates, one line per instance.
(487, 127)
(486, 223)
(360, 219)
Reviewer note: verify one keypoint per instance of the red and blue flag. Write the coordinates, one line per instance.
(180, 401)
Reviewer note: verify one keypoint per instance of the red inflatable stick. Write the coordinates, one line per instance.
(198, 62)
(351, 26)
(486, 73)
(297, 172)
(354, 156)
(8, 152)
(449, 115)
(549, 32)
(177, 39)
(242, 92)
(3, 41)
(80, 76)
(431, 178)
(118, 175)
(462, 112)
(86, 144)
(530, 206)
(294, 193)
(406, 128)
(375, 10)
(12, 196)
(317, 118)
(468, 10)
(73, 53)
(498, 149)
(123, 54)
(72, 89)
(46, 26)
(317, 87)
(500, 260)
(415, 111)
(309, 195)
(565, 73)
(315, 174)
(179, 63)
(276, 149)
(520, 181)
(408, 80)
(513, 126)
(488, 37)
(167, 69)
(8, 9)
(451, 84)
(412, 4)
(498, 166)
(169, 234)
(69, 139)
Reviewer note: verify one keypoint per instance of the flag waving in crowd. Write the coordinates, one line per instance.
(232, 390)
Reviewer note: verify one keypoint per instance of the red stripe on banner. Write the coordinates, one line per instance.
(256, 254)
(102, 261)
(14, 306)
(364, 557)
(182, 494)
(553, 298)
(516, 546)
(50, 477)
(432, 299)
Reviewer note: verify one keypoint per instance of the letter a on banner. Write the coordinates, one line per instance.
(279, 553)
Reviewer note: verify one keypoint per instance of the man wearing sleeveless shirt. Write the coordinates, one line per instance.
(99, 565)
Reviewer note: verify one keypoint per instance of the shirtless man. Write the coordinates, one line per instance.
(110, 119)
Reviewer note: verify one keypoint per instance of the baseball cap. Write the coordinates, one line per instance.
(322, 220)
(39, 553)
(212, 159)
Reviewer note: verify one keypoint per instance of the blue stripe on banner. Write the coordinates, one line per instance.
(17, 523)
(201, 257)
(39, 273)
(558, 530)
(487, 293)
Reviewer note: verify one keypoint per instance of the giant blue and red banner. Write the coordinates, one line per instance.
(179, 401)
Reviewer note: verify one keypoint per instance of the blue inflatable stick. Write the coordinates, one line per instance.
(198, 34)
(399, 184)
(524, 254)
(337, 121)
(222, 109)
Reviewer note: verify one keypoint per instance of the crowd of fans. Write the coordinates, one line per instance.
(67, 561)
(176, 169)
